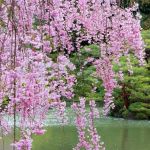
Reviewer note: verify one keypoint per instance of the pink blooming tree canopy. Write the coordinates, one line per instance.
(32, 81)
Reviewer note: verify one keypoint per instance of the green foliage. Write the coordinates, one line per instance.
(1, 2)
(146, 34)
(84, 72)
(119, 109)
(141, 116)
(146, 37)
(145, 22)
(125, 114)
(135, 90)
(145, 6)
(4, 103)
(145, 11)
(137, 85)
(140, 110)
(140, 107)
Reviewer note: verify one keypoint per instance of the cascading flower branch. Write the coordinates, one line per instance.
(61, 83)
(40, 84)
(115, 30)
(31, 81)
(105, 72)
(31, 94)
(23, 144)
(87, 133)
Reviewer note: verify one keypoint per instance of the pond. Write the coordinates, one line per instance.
(117, 134)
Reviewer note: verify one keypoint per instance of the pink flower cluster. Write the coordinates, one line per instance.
(23, 144)
(31, 30)
(60, 77)
(87, 133)
(104, 70)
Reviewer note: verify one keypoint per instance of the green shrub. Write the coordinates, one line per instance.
(141, 116)
(125, 114)
(134, 88)
(139, 107)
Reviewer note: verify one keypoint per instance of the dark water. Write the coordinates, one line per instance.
(117, 134)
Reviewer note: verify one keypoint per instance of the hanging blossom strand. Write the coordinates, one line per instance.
(31, 82)
(87, 133)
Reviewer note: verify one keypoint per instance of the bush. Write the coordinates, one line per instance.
(136, 110)
(141, 116)
(139, 107)
(136, 86)
(125, 114)
(119, 108)
(134, 92)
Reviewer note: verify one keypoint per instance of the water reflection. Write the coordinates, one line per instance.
(125, 137)
(117, 135)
